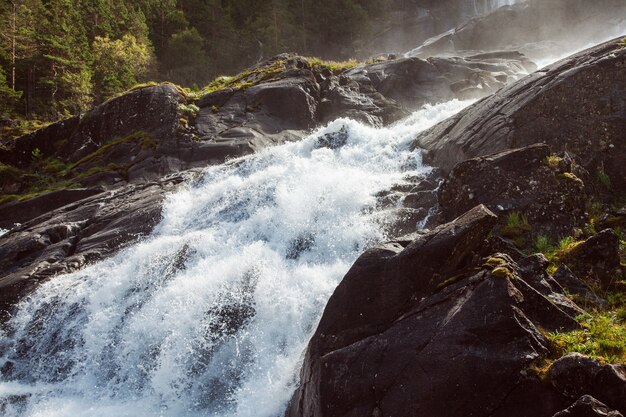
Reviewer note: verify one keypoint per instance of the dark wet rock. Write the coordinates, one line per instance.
(66, 239)
(23, 211)
(597, 259)
(410, 324)
(333, 140)
(609, 385)
(518, 180)
(573, 374)
(580, 291)
(562, 106)
(587, 406)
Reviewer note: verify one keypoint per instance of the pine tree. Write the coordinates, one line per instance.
(185, 61)
(18, 42)
(66, 58)
(8, 96)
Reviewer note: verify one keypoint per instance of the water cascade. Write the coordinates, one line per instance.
(210, 315)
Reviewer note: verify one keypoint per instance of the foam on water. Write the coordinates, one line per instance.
(210, 315)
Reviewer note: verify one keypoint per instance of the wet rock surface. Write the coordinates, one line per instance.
(408, 326)
(67, 238)
(576, 105)
(553, 199)
(457, 320)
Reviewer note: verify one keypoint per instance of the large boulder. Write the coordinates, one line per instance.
(433, 329)
(552, 199)
(576, 105)
(587, 406)
(575, 375)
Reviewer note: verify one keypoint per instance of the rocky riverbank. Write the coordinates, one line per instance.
(487, 314)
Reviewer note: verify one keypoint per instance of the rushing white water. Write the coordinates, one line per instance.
(211, 314)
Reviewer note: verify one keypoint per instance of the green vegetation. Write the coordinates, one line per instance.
(146, 143)
(58, 57)
(493, 263)
(50, 174)
(503, 273)
(189, 110)
(543, 245)
(450, 281)
(604, 179)
(515, 228)
(602, 336)
(334, 66)
(571, 177)
(554, 161)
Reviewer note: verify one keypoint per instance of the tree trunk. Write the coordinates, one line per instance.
(13, 45)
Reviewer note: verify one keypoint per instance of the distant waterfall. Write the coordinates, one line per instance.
(481, 7)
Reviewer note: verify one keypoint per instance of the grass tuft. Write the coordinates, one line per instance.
(602, 336)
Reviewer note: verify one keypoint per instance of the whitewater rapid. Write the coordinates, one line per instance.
(210, 315)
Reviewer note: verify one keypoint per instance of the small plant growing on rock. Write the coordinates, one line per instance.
(554, 161)
(571, 177)
(604, 179)
(189, 110)
(543, 245)
(516, 225)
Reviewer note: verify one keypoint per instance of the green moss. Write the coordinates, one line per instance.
(189, 110)
(139, 136)
(623, 43)
(9, 174)
(450, 281)
(54, 166)
(503, 273)
(554, 161)
(568, 176)
(142, 85)
(22, 127)
(38, 190)
(602, 336)
(122, 170)
(540, 368)
(494, 262)
(336, 67)
(566, 246)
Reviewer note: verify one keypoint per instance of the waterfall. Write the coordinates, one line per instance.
(210, 315)
(482, 7)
